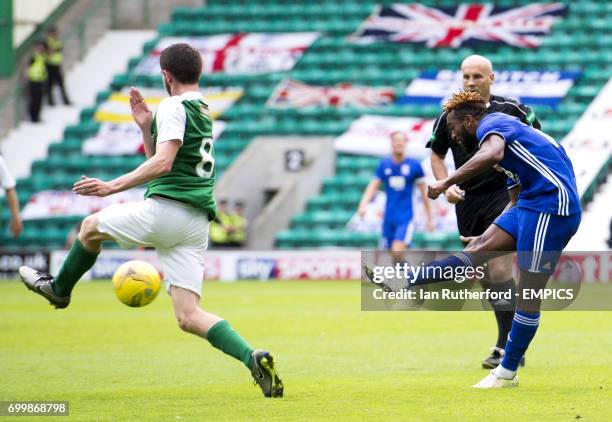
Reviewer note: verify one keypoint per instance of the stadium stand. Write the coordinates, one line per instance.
(576, 43)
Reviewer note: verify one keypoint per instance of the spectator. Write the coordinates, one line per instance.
(7, 182)
(220, 226)
(54, 66)
(237, 235)
(37, 77)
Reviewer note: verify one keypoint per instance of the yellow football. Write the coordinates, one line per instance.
(136, 283)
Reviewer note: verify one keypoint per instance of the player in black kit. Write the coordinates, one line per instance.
(484, 197)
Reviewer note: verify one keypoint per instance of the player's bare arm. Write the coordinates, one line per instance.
(367, 195)
(13, 203)
(151, 169)
(430, 223)
(438, 167)
(143, 118)
(490, 153)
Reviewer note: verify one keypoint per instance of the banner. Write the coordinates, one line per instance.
(241, 53)
(109, 260)
(294, 265)
(529, 87)
(240, 265)
(125, 139)
(589, 144)
(453, 27)
(54, 203)
(293, 94)
(116, 108)
(372, 220)
(119, 135)
(369, 135)
(10, 261)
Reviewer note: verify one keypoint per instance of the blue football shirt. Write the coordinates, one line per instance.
(540, 164)
(399, 179)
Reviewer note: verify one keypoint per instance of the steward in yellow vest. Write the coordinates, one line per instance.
(54, 66)
(238, 223)
(219, 235)
(37, 78)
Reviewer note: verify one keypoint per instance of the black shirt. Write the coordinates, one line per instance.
(491, 179)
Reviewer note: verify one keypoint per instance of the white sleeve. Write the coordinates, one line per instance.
(6, 179)
(170, 120)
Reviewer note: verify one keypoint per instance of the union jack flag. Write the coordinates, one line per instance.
(294, 94)
(442, 27)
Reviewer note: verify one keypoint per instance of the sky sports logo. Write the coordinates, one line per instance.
(288, 267)
(256, 268)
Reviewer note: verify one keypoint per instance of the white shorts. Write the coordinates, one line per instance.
(177, 231)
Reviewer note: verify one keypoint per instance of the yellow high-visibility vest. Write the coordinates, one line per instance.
(218, 234)
(239, 223)
(37, 72)
(55, 56)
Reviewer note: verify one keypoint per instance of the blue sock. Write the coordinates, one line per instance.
(434, 272)
(524, 327)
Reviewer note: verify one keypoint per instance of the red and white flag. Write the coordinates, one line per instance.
(125, 138)
(370, 135)
(247, 53)
(293, 94)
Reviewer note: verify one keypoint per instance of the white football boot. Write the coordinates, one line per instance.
(493, 381)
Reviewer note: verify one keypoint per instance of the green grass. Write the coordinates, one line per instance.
(115, 363)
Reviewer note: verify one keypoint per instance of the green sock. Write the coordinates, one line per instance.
(78, 261)
(223, 337)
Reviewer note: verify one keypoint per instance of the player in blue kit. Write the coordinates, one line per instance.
(542, 216)
(399, 174)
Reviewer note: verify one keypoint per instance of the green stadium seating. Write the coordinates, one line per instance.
(581, 41)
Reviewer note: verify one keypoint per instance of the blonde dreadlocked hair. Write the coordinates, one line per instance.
(466, 103)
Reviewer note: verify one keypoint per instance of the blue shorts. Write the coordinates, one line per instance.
(393, 231)
(540, 237)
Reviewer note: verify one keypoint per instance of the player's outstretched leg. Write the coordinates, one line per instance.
(524, 327)
(221, 335)
(80, 259)
(499, 278)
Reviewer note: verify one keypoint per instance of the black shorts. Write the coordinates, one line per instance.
(478, 211)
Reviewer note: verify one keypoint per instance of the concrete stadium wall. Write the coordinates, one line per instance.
(264, 162)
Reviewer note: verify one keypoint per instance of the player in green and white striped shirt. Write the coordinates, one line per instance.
(173, 218)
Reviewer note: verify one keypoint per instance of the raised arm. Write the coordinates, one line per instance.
(143, 118)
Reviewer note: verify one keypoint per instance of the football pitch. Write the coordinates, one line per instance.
(114, 363)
